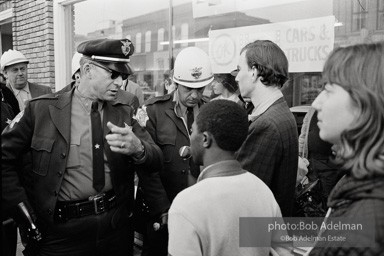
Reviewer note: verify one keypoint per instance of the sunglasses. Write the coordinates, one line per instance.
(114, 74)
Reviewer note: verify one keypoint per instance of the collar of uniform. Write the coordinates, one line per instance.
(17, 91)
(86, 102)
(221, 169)
(180, 109)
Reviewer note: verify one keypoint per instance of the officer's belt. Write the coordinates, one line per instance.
(100, 203)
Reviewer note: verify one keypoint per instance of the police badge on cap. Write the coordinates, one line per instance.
(125, 48)
(113, 54)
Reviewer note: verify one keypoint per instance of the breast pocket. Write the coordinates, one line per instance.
(167, 144)
(74, 154)
(41, 154)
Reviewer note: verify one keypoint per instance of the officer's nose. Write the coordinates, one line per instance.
(194, 94)
(118, 81)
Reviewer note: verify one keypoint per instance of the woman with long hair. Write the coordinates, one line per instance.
(225, 86)
(351, 117)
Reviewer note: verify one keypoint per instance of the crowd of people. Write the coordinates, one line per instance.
(70, 159)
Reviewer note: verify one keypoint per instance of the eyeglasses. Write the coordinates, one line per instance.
(114, 74)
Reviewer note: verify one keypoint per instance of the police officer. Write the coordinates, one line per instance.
(14, 66)
(122, 96)
(169, 122)
(9, 107)
(85, 152)
(8, 97)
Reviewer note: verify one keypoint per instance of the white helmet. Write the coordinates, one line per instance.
(12, 57)
(192, 68)
(75, 63)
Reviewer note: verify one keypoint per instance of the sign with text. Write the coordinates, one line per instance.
(356, 231)
(306, 43)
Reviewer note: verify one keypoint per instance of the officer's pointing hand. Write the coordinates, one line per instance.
(123, 140)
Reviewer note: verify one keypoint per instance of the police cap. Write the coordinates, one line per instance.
(111, 53)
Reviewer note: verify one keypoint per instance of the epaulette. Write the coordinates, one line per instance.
(157, 99)
(51, 96)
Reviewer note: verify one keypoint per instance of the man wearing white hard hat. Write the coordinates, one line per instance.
(170, 118)
(14, 66)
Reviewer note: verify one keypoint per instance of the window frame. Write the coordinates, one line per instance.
(358, 11)
(63, 34)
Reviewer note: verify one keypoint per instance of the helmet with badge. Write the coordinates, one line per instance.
(192, 68)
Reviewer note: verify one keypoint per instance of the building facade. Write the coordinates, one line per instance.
(46, 32)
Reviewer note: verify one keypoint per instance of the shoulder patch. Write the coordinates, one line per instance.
(16, 119)
(157, 99)
(141, 116)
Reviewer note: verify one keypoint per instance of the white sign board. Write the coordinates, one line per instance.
(306, 43)
(205, 8)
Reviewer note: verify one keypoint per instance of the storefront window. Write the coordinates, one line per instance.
(307, 31)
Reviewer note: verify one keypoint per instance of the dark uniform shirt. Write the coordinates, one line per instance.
(77, 182)
(168, 128)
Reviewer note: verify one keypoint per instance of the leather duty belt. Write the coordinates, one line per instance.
(100, 203)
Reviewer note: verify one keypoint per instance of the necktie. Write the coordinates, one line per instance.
(192, 165)
(97, 148)
(190, 118)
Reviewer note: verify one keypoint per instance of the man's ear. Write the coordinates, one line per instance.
(5, 73)
(86, 68)
(254, 73)
(207, 139)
